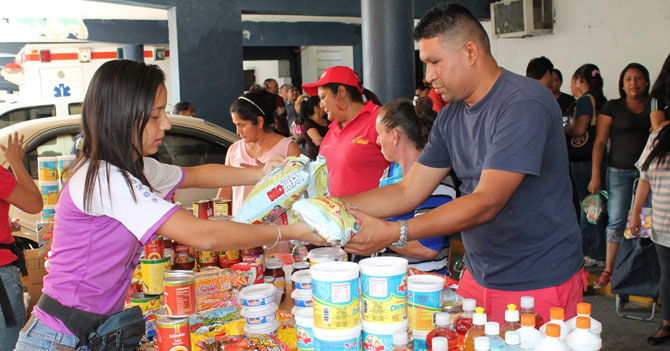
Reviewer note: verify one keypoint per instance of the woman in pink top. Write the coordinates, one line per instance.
(253, 118)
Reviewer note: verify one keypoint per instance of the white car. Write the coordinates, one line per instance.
(20, 111)
(191, 142)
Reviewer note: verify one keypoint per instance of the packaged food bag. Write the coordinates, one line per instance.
(318, 178)
(276, 192)
(328, 217)
(242, 342)
(594, 205)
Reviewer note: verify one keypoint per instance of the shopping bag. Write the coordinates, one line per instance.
(636, 269)
(594, 206)
(645, 224)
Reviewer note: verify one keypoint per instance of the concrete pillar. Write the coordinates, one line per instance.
(206, 57)
(134, 52)
(388, 48)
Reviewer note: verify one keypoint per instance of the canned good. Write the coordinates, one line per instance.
(201, 209)
(208, 258)
(221, 207)
(183, 257)
(173, 334)
(146, 302)
(152, 275)
(179, 295)
(154, 249)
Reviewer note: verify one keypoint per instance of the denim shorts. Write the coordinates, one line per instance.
(37, 336)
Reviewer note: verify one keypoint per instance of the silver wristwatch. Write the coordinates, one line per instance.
(402, 240)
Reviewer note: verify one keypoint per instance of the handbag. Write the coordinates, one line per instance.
(645, 219)
(594, 206)
(120, 331)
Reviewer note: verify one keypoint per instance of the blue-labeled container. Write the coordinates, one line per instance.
(302, 280)
(335, 295)
(260, 315)
(420, 343)
(424, 298)
(380, 336)
(384, 289)
(304, 322)
(257, 295)
(302, 298)
(337, 339)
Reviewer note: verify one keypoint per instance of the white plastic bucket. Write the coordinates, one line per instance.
(424, 298)
(304, 322)
(384, 289)
(295, 310)
(325, 254)
(335, 295)
(302, 298)
(257, 295)
(337, 340)
(302, 280)
(420, 343)
(375, 336)
(267, 329)
(260, 315)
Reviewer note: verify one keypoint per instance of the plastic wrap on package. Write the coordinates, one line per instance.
(276, 192)
(318, 178)
(329, 218)
(242, 342)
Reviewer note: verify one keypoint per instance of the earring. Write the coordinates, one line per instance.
(337, 104)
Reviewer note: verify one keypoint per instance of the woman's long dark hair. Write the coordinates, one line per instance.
(661, 148)
(591, 74)
(415, 119)
(118, 103)
(307, 106)
(354, 94)
(662, 85)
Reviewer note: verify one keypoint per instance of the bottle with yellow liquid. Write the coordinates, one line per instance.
(478, 329)
(511, 320)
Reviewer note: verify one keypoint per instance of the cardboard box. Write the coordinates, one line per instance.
(32, 283)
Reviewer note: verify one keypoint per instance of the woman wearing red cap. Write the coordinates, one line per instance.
(355, 162)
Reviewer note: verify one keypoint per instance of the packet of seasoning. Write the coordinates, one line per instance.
(328, 217)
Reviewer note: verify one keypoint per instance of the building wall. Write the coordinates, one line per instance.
(608, 33)
(316, 59)
(277, 69)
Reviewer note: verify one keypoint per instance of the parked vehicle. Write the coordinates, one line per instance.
(20, 111)
(191, 142)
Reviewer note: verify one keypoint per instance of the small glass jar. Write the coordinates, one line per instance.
(274, 268)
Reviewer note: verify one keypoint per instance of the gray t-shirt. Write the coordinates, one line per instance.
(535, 241)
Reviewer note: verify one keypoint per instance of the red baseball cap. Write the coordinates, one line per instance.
(336, 74)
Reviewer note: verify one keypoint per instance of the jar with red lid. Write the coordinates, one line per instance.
(183, 257)
(274, 268)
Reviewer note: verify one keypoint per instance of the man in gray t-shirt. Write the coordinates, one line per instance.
(502, 134)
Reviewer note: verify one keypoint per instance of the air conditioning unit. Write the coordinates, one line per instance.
(521, 18)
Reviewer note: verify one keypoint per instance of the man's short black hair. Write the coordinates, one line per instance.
(538, 67)
(558, 73)
(452, 21)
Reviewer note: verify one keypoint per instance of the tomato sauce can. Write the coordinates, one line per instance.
(220, 207)
(154, 249)
(183, 257)
(201, 209)
(179, 295)
(173, 334)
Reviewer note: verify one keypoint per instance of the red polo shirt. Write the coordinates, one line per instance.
(7, 184)
(355, 161)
